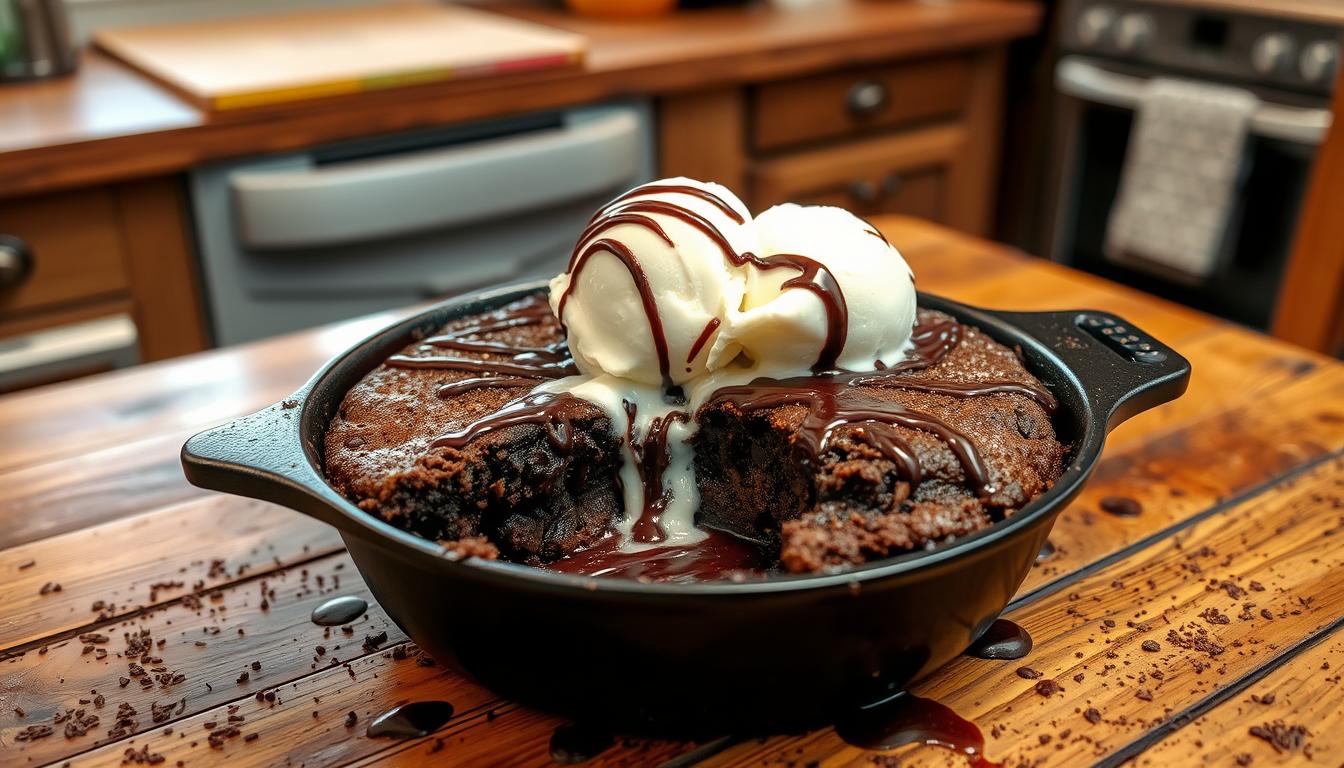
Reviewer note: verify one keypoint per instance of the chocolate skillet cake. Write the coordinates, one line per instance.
(487, 436)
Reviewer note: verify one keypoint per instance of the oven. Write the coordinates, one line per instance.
(300, 239)
(1110, 51)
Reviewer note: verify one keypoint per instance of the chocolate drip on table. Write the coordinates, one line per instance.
(910, 719)
(1003, 639)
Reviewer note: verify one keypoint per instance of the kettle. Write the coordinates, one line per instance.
(35, 40)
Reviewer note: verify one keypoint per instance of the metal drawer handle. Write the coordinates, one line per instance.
(16, 261)
(866, 97)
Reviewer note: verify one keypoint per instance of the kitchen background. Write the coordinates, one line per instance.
(177, 175)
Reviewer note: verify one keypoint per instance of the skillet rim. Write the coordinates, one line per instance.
(319, 390)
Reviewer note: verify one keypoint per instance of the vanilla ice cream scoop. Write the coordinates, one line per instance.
(651, 282)
(855, 308)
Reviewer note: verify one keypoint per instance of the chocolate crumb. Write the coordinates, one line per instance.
(1048, 688)
(1151, 646)
(1283, 737)
(1027, 673)
(1091, 715)
(350, 719)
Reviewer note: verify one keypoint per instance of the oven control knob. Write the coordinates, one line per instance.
(1318, 61)
(1134, 32)
(1094, 25)
(1272, 53)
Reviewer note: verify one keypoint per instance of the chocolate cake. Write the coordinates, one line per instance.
(447, 440)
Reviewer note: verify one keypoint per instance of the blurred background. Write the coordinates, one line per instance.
(177, 175)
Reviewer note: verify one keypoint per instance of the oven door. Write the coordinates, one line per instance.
(1096, 116)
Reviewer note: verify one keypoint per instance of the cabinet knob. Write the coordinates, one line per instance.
(866, 97)
(16, 261)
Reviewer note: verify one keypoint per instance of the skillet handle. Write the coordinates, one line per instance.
(1123, 370)
(261, 456)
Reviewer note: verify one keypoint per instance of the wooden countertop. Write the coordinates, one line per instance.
(1230, 568)
(107, 122)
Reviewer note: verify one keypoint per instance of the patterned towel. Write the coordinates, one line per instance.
(1181, 178)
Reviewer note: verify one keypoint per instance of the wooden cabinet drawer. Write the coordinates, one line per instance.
(858, 101)
(909, 173)
(75, 245)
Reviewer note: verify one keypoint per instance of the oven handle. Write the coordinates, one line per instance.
(1082, 79)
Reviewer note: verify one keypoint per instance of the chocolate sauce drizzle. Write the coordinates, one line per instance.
(545, 409)
(834, 399)
(812, 275)
(840, 400)
(651, 459)
(526, 366)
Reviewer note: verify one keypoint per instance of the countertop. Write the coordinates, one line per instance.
(1204, 625)
(107, 122)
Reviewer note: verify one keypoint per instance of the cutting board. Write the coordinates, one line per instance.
(279, 58)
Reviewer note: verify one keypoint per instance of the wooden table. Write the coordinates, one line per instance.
(1231, 569)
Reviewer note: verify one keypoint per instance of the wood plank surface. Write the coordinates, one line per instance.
(136, 553)
(1239, 488)
(1128, 648)
(1295, 712)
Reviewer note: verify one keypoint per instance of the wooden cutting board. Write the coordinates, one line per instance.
(271, 59)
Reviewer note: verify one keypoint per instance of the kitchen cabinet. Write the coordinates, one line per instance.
(881, 107)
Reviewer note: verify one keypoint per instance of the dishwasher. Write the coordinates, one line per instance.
(299, 239)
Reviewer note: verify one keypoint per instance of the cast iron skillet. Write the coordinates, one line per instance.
(781, 652)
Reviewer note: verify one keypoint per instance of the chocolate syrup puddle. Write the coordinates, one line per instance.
(909, 719)
(721, 556)
(1003, 639)
(410, 721)
(339, 610)
(576, 743)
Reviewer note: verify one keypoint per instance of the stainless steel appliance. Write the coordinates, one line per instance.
(35, 39)
(295, 240)
(1108, 50)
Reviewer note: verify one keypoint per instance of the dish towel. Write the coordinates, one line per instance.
(1182, 177)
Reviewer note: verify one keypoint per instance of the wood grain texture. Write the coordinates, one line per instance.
(162, 263)
(76, 247)
(1310, 307)
(810, 109)
(104, 124)
(701, 134)
(1276, 552)
(841, 173)
(1307, 689)
(136, 553)
(1240, 485)
(273, 611)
